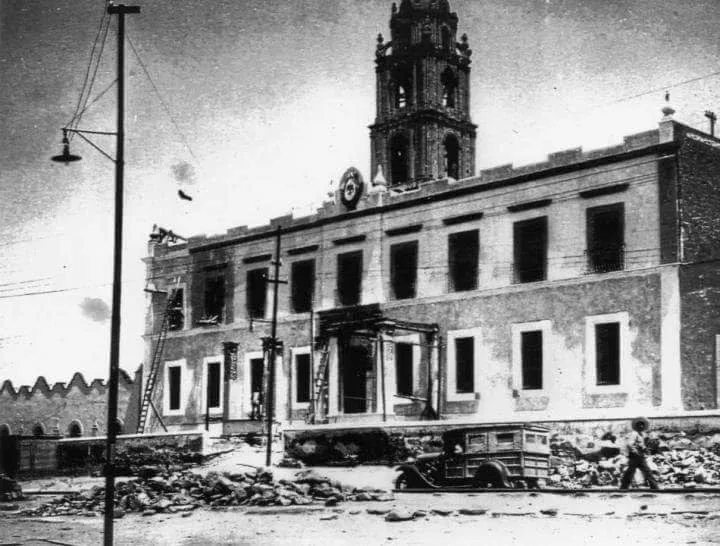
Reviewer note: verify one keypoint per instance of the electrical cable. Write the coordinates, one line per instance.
(160, 98)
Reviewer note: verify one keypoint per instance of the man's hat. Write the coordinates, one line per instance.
(640, 420)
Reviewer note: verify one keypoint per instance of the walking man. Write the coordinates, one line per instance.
(636, 455)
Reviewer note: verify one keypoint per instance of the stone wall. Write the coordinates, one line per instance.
(54, 409)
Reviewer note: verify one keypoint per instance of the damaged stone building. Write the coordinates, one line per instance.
(583, 287)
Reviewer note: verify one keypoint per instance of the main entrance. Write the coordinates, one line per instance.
(356, 368)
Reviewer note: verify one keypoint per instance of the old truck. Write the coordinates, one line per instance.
(495, 456)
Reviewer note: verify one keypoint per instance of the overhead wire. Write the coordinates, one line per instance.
(161, 99)
(93, 66)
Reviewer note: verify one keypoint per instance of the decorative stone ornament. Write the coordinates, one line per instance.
(351, 188)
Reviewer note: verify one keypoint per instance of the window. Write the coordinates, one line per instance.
(176, 309)
(607, 353)
(302, 378)
(75, 430)
(174, 387)
(447, 44)
(531, 347)
(404, 368)
(399, 170)
(463, 254)
(213, 382)
(349, 277)
(530, 240)
(256, 292)
(452, 156)
(606, 238)
(464, 365)
(303, 281)
(214, 311)
(403, 269)
(449, 82)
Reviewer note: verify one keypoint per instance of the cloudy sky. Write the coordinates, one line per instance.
(253, 108)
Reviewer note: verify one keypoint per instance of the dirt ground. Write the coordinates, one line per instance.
(637, 518)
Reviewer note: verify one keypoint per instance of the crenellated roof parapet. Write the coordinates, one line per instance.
(41, 386)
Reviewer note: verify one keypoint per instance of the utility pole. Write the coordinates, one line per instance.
(270, 408)
(120, 11)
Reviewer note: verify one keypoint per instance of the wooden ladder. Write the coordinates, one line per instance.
(151, 380)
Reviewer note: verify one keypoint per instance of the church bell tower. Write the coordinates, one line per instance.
(422, 129)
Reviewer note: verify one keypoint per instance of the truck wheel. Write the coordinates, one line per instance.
(402, 481)
(492, 475)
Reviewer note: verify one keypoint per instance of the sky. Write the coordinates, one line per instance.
(256, 109)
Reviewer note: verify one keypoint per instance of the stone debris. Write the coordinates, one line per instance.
(10, 490)
(184, 491)
(675, 460)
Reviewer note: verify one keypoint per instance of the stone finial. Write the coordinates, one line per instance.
(667, 110)
(379, 179)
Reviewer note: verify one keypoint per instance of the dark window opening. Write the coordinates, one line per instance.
(399, 159)
(213, 385)
(4, 431)
(38, 430)
(256, 292)
(606, 238)
(464, 364)
(214, 299)
(119, 427)
(257, 372)
(532, 359)
(463, 254)
(607, 353)
(447, 44)
(349, 277)
(530, 239)
(449, 82)
(403, 269)
(74, 430)
(174, 376)
(302, 378)
(303, 281)
(451, 148)
(176, 309)
(404, 368)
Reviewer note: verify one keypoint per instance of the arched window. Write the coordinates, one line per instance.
(119, 426)
(446, 39)
(399, 159)
(75, 429)
(449, 88)
(38, 430)
(402, 86)
(4, 430)
(401, 97)
(452, 156)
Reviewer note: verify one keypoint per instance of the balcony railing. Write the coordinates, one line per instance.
(605, 259)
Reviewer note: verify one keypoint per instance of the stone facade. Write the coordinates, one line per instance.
(73, 409)
(583, 287)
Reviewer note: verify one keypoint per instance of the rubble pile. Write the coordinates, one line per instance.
(146, 461)
(10, 490)
(675, 458)
(185, 491)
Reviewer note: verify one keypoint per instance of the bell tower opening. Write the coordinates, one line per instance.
(452, 156)
(423, 97)
(399, 162)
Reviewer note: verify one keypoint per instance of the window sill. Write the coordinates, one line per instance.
(463, 396)
(606, 389)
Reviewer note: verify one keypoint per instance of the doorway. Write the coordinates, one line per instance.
(356, 368)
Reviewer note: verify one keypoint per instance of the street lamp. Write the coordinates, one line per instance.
(119, 160)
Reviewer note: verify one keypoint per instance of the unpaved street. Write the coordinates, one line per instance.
(510, 518)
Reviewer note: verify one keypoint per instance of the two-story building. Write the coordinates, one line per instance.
(583, 287)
